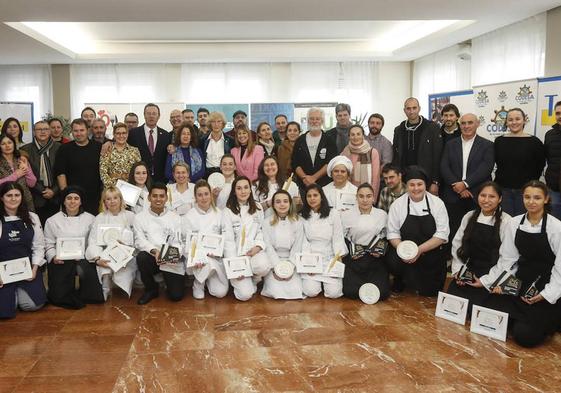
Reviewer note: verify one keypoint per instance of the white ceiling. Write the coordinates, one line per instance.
(72, 31)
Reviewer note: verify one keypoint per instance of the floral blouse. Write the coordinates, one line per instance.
(117, 164)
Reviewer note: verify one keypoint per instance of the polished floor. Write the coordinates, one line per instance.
(315, 345)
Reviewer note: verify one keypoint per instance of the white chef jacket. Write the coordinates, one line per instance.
(179, 202)
(331, 192)
(508, 255)
(38, 242)
(363, 228)
(283, 240)
(151, 231)
(253, 229)
(324, 236)
(273, 187)
(143, 203)
(61, 225)
(457, 263)
(223, 196)
(398, 214)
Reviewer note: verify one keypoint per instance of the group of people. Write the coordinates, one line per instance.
(349, 198)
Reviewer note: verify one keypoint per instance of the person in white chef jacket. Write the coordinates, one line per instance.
(323, 234)
(139, 176)
(245, 218)
(362, 224)
(206, 218)
(228, 169)
(114, 214)
(268, 182)
(283, 232)
(339, 169)
(180, 194)
(72, 221)
(152, 229)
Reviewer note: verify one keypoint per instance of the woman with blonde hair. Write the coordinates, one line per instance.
(247, 154)
(114, 217)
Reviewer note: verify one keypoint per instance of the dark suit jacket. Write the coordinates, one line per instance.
(327, 149)
(35, 162)
(228, 145)
(479, 166)
(157, 162)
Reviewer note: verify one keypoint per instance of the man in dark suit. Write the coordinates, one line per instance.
(152, 142)
(467, 162)
(42, 152)
(312, 152)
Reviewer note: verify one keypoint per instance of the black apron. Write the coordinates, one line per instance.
(536, 259)
(428, 273)
(482, 257)
(15, 242)
(366, 269)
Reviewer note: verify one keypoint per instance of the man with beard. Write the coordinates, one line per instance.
(377, 140)
(340, 133)
(202, 118)
(450, 128)
(394, 186)
(88, 115)
(98, 130)
(417, 141)
(552, 143)
(281, 122)
(240, 121)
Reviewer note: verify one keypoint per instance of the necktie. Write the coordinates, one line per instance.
(151, 142)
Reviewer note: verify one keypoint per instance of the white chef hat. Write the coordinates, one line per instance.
(339, 160)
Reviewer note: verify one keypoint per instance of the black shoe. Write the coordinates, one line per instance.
(398, 286)
(147, 297)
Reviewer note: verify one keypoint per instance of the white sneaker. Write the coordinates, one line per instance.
(198, 290)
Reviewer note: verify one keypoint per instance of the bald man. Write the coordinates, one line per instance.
(417, 141)
(467, 162)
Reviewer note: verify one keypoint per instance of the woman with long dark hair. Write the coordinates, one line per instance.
(531, 252)
(139, 176)
(21, 236)
(269, 182)
(13, 128)
(15, 167)
(475, 248)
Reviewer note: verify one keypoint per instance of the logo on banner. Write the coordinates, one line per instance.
(548, 116)
(524, 95)
(481, 99)
(502, 96)
(482, 120)
(498, 123)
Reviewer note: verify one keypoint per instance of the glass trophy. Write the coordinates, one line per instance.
(465, 275)
(532, 290)
(169, 253)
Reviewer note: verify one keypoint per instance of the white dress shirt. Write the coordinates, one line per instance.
(466, 149)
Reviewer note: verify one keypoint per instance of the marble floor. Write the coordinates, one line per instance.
(315, 345)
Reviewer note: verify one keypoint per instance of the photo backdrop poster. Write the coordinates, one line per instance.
(549, 92)
(227, 109)
(268, 112)
(301, 114)
(492, 103)
(23, 111)
(462, 99)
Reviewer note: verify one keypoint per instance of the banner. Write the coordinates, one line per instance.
(492, 103)
(227, 109)
(268, 112)
(462, 99)
(549, 92)
(23, 111)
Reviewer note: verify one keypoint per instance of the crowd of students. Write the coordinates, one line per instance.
(332, 194)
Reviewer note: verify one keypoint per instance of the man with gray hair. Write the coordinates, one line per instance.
(98, 130)
(340, 133)
(312, 151)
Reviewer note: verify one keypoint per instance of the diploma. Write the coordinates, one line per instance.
(70, 248)
(130, 193)
(237, 267)
(242, 243)
(15, 270)
(117, 255)
(345, 200)
(336, 269)
(309, 263)
(211, 243)
(287, 183)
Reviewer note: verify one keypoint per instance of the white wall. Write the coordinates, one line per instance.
(394, 88)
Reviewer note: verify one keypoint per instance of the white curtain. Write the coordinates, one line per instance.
(440, 72)
(29, 83)
(511, 53)
(122, 83)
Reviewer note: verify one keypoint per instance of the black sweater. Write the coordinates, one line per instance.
(519, 160)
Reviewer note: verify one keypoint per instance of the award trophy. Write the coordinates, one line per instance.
(510, 286)
(465, 275)
(169, 253)
(532, 290)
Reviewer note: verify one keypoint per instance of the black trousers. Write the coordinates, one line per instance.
(62, 290)
(175, 283)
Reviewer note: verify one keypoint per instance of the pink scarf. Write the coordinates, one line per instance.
(361, 165)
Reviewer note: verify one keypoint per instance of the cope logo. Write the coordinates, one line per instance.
(502, 96)
(524, 95)
(481, 99)
(498, 123)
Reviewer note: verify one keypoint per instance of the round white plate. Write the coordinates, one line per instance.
(284, 269)
(369, 293)
(407, 250)
(216, 180)
(111, 235)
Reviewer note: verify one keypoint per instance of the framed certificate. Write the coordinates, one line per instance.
(15, 270)
(118, 255)
(211, 243)
(238, 267)
(488, 322)
(195, 254)
(309, 263)
(108, 233)
(70, 248)
(452, 308)
(345, 200)
(130, 192)
(336, 270)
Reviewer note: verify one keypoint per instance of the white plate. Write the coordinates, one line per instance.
(111, 235)
(407, 250)
(216, 180)
(369, 293)
(284, 269)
